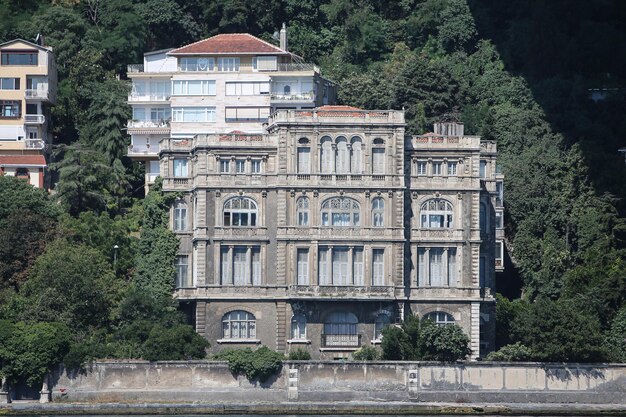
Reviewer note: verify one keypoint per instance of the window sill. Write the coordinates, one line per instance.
(299, 341)
(255, 341)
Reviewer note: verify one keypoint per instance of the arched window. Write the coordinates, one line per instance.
(356, 157)
(180, 216)
(287, 90)
(340, 329)
(341, 211)
(240, 212)
(440, 318)
(326, 155)
(382, 321)
(238, 325)
(298, 327)
(302, 210)
(378, 212)
(342, 161)
(436, 214)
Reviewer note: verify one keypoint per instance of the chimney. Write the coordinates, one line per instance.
(283, 38)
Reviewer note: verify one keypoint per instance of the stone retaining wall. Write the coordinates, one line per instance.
(306, 381)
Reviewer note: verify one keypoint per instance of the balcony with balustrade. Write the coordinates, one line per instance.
(34, 119)
(136, 98)
(295, 98)
(147, 127)
(337, 115)
(341, 341)
(40, 94)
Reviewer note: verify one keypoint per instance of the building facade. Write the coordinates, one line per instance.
(226, 83)
(28, 81)
(329, 226)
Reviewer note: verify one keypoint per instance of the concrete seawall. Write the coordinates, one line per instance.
(316, 381)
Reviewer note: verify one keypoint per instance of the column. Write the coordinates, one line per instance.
(445, 267)
(427, 267)
(350, 265)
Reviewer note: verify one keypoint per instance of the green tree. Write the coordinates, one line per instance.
(179, 342)
(32, 350)
(511, 353)
(559, 331)
(615, 338)
(72, 284)
(445, 343)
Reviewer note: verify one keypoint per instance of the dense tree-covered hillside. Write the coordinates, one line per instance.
(518, 72)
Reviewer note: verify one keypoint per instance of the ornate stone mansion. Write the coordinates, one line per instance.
(332, 224)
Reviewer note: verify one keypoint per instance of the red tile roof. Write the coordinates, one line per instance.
(231, 43)
(22, 160)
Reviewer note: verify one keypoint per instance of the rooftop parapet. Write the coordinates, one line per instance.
(337, 115)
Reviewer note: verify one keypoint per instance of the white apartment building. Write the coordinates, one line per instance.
(223, 84)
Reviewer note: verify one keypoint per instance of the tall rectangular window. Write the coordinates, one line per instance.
(240, 261)
(196, 64)
(254, 88)
(323, 267)
(264, 63)
(180, 217)
(357, 267)
(225, 269)
(240, 166)
(421, 167)
(436, 267)
(224, 166)
(256, 265)
(499, 252)
(255, 166)
(303, 266)
(436, 167)
(180, 168)
(452, 273)
(451, 168)
(340, 266)
(182, 277)
(422, 279)
(304, 160)
(483, 169)
(378, 267)
(378, 161)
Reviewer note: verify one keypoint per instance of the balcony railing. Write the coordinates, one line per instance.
(134, 68)
(148, 124)
(38, 94)
(34, 118)
(137, 150)
(34, 143)
(148, 97)
(341, 340)
(292, 97)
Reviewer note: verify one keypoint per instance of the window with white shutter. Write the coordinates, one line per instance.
(303, 266)
(378, 267)
(378, 161)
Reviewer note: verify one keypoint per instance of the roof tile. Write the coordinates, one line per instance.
(26, 160)
(231, 43)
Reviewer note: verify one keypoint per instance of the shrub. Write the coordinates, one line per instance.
(179, 342)
(299, 354)
(615, 338)
(395, 344)
(258, 364)
(445, 343)
(511, 353)
(367, 353)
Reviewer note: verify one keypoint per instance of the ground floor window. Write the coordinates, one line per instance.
(298, 327)
(340, 329)
(238, 325)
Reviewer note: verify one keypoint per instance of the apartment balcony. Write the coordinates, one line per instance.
(291, 67)
(293, 98)
(134, 68)
(38, 94)
(143, 150)
(148, 127)
(350, 341)
(148, 98)
(345, 180)
(177, 183)
(234, 233)
(34, 143)
(34, 119)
